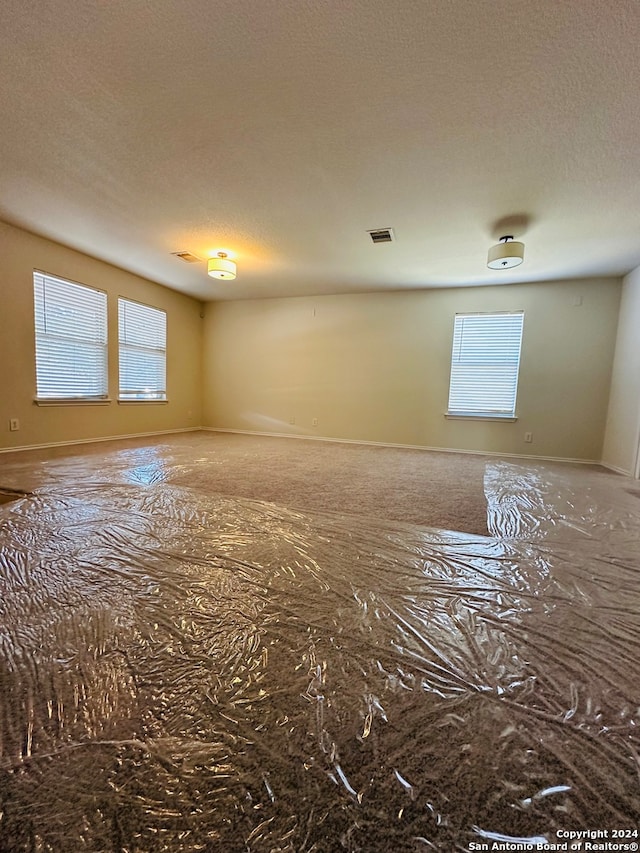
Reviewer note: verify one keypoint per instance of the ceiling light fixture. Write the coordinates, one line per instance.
(221, 267)
(506, 254)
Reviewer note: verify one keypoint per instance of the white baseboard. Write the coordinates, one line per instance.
(405, 446)
(616, 470)
(96, 440)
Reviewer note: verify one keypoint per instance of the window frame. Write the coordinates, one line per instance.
(157, 396)
(510, 360)
(43, 337)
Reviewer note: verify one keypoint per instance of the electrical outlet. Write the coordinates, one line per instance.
(314, 422)
(14, 424)
(528, 437)
(292, 419)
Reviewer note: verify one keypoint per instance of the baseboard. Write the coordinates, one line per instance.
(615, 469)
(96, 440)
(405, 446)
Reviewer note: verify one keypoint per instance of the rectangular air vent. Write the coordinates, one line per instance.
(381, 235)
(187, 257)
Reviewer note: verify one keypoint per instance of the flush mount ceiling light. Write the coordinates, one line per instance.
(506, 254)
(221, 267)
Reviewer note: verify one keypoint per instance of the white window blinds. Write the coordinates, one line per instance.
(484, 364)
(71, 340)
(143, 350)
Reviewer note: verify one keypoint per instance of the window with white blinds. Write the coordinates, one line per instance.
(143, 351)
(71, 340)
(484, 364)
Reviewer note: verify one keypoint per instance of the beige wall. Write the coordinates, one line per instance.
(375, 367)
(622, 437)
(20, 254)
(369, 367)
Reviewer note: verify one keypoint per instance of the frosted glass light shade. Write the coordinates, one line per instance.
(504, 256)
(221, 268)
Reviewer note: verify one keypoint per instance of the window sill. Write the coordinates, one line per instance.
(142, 402)
(480, 417)
(72, 401)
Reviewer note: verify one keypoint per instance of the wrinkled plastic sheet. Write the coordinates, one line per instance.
(186, 672)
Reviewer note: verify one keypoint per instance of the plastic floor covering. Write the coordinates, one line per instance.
(183, 672)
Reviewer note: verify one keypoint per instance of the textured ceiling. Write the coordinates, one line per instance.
(281, 130)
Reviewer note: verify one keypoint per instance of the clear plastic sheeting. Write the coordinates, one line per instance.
(185, 672)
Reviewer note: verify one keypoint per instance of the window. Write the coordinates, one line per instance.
(484, 364)
(71, 340)
(143, 351)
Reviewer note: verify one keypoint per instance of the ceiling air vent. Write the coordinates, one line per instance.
(187, 257)
(381, 235)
